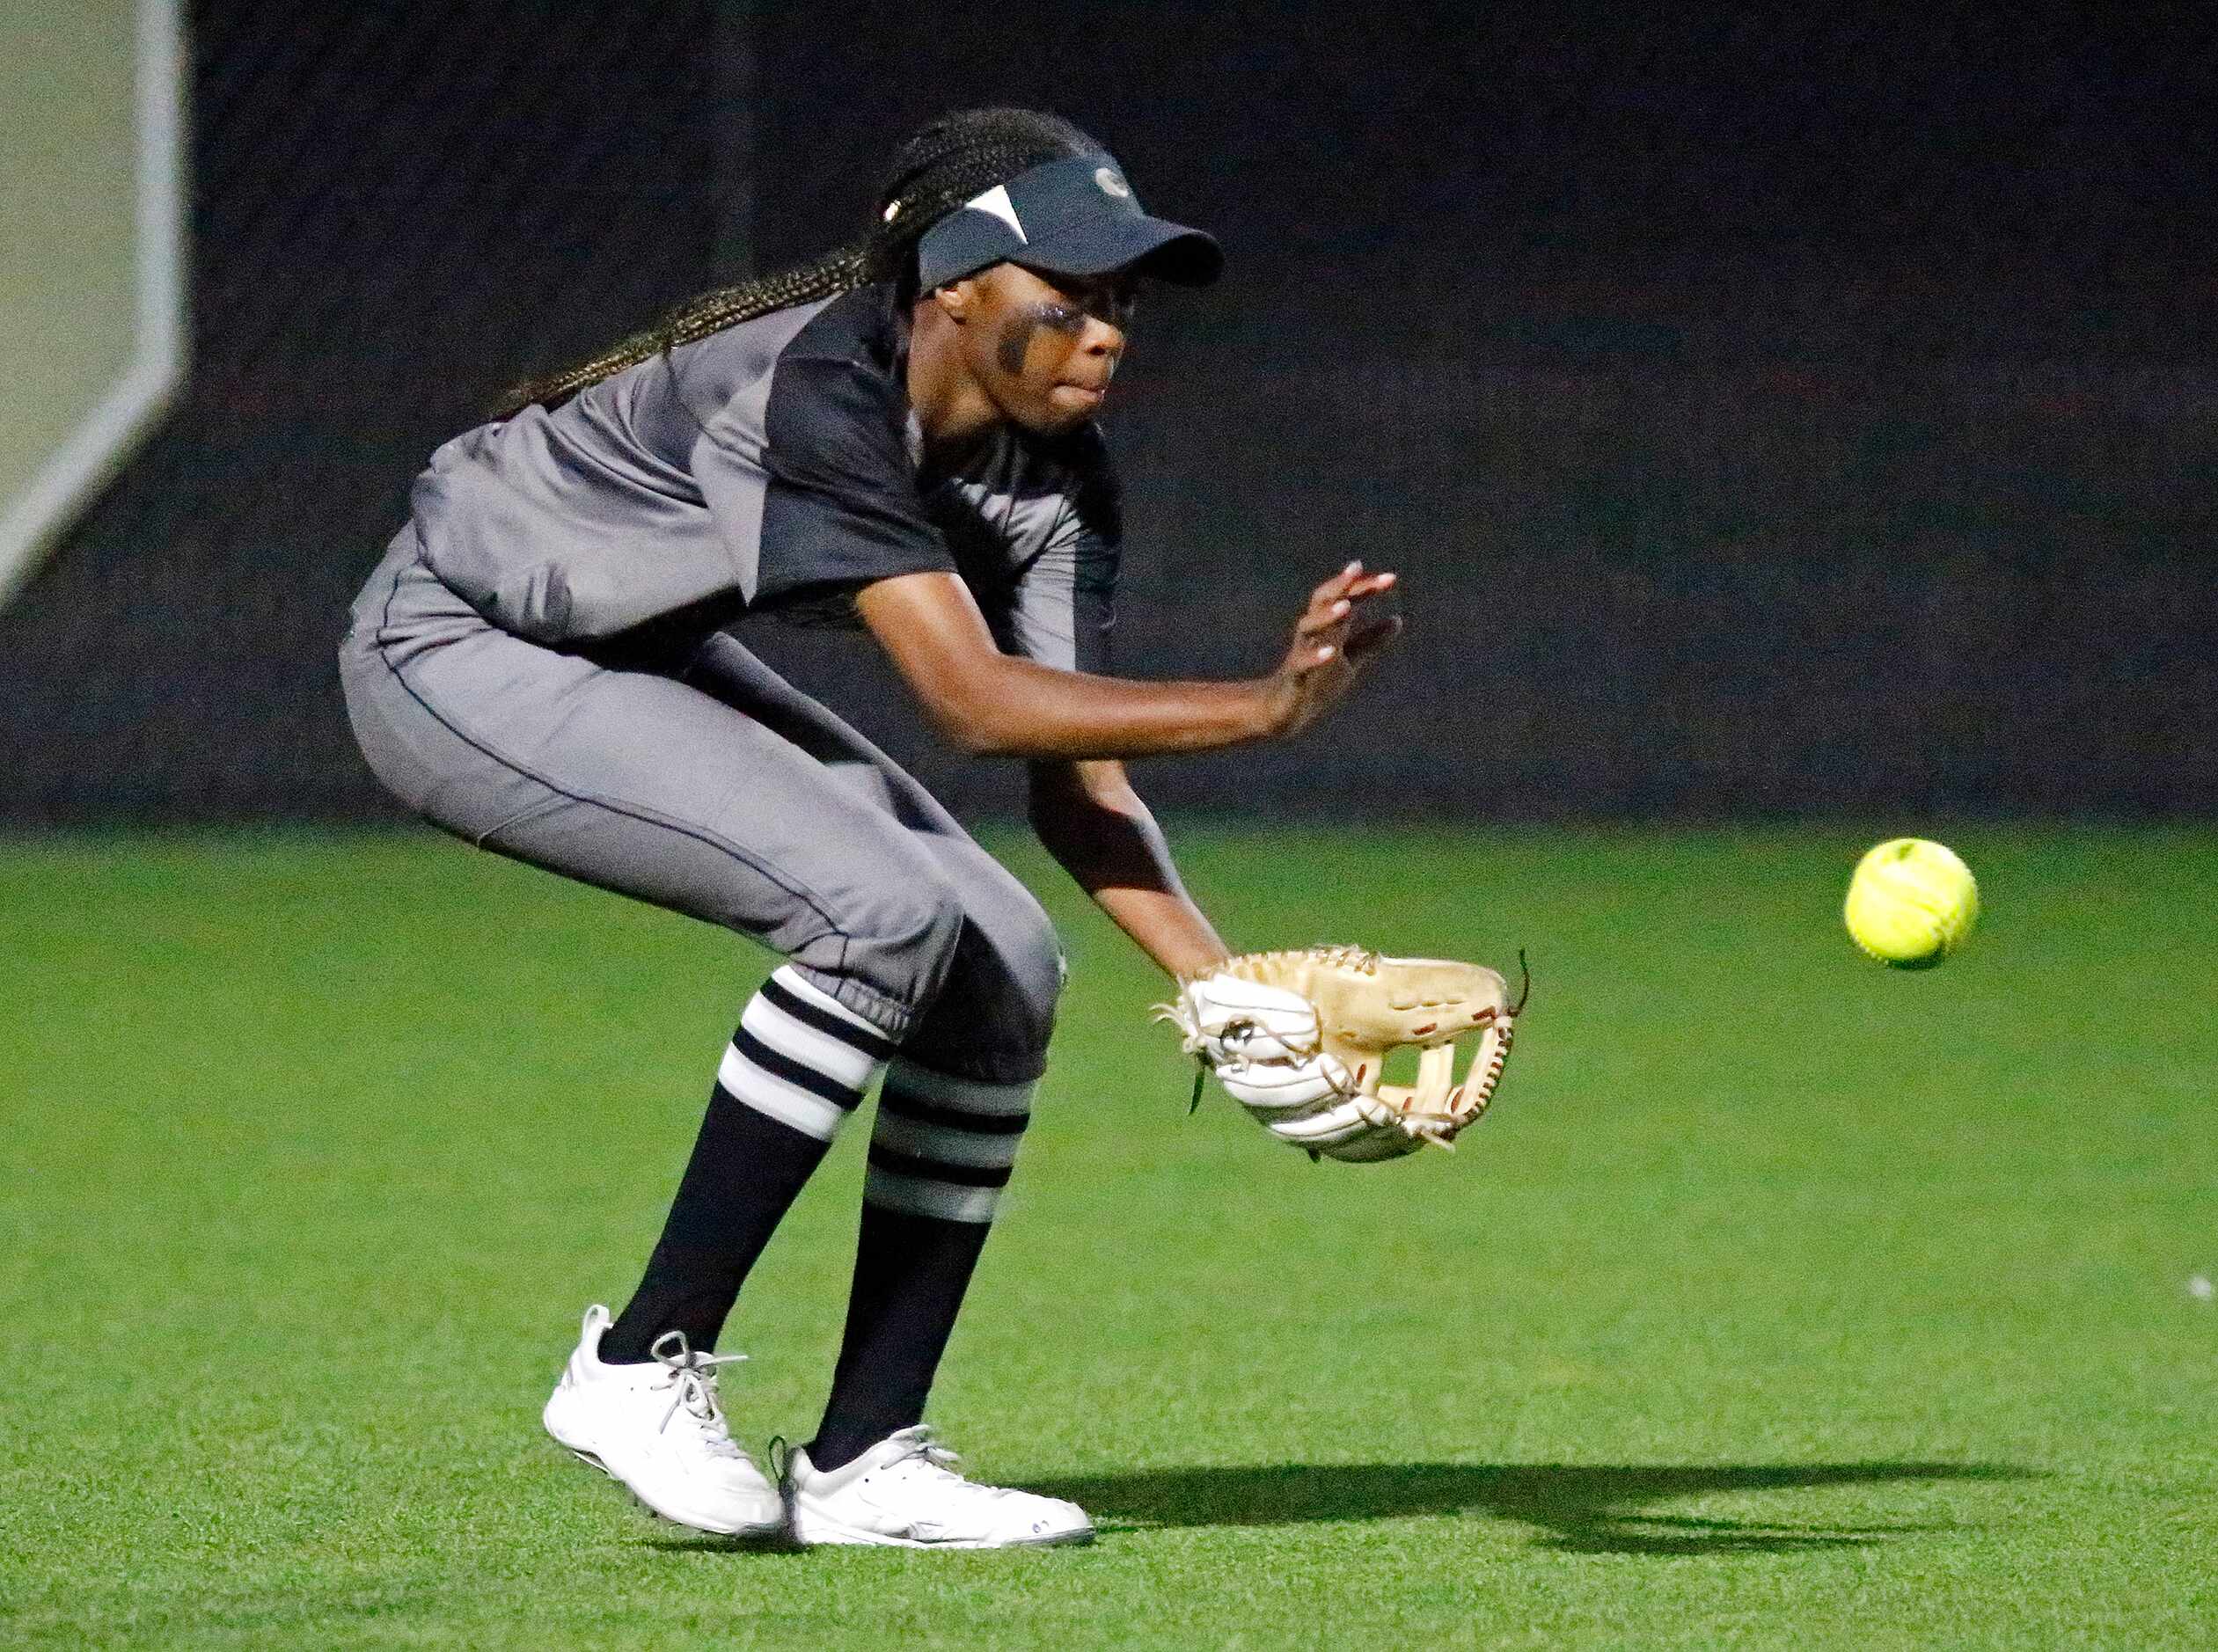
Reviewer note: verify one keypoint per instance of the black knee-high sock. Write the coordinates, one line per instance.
(796, 1068)
(940, 1155)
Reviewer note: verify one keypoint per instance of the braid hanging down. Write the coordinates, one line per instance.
(940, 166)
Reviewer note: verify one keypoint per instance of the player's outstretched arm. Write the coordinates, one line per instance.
(1090, 819)
(993, 705)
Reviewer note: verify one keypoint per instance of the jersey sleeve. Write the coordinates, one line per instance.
(1061, 610)
(830, 504)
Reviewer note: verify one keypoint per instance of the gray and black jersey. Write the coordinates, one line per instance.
(774, 467)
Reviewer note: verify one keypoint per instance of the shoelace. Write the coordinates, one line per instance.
(922, 1448)
(692, 1380)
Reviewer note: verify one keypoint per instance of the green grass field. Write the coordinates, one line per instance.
(1785, 1301)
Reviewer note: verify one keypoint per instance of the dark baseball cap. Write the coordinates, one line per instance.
(1073, 216)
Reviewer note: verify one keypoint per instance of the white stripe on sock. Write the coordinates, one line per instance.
(891, 1190)
(790, 978)
(842, 1062)
(770, 1096)
(963, 1095)
(948, 1146)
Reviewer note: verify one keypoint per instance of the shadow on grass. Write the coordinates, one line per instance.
(710, 1545)
(1581, 1508)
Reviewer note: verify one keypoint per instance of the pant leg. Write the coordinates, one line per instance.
(996, 1006)
(647, 786)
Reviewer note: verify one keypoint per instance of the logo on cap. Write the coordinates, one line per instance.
(996, 203)
(1111, 183)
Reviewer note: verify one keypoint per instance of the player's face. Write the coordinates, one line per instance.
(1044, 347)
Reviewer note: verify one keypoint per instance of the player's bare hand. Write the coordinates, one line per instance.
(1336, 636)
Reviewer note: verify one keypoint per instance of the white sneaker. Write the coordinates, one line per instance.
(658, 1428)
(903, 1493)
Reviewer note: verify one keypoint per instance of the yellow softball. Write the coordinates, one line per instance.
(1911, 903)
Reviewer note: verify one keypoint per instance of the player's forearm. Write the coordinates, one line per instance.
(1018, 708)
(993, 705)
(1169, 928)
(1104, 837)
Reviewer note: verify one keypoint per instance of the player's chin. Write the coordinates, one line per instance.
(1065, 407)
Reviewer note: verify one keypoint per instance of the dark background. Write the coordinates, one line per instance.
(1772, 412)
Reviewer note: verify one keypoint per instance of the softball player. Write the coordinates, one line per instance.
(899, 436)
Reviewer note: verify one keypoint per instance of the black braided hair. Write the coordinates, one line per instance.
(940, 166)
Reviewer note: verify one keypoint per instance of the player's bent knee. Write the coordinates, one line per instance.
(996, 1009)
(1038, 966)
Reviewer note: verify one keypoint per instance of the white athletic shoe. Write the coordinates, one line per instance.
(903, 1493)
(658, 1428)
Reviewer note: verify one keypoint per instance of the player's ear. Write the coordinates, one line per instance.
(957, 300)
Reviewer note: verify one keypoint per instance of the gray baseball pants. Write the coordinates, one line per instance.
(710, 786)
